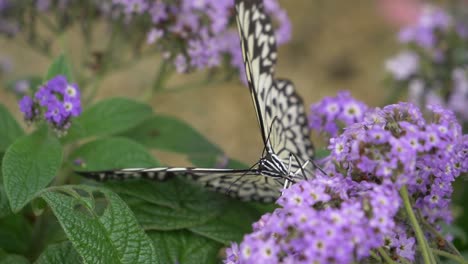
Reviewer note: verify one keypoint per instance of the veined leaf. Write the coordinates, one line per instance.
(29, 165)
(108, 117)
(113, 236)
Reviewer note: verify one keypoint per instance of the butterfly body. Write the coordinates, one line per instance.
(271, 165)
(281, 117)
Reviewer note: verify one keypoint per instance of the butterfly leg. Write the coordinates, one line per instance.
(287, 182)
(302, 167)
(317, 166)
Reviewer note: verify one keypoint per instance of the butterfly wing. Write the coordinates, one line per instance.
(290, 131)
(259, 54)
(280, 110)
(248, 185)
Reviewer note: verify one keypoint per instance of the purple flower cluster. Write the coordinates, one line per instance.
(400, 243)
(58, 100)
(396, 146)
(403, 65)
(355, 208)
(191, 34)
(458, 100)
(324, 220)
(433, 65)
(431, 21)
(332, 114)
(8, 26)
(201, 27)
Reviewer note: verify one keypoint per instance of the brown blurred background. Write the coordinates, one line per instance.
(336, 44)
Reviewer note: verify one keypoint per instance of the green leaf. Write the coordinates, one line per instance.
(60, 66)
(113, 236)
(460, 209)
(169, 205)
(29, 165)
(456, 231)
(108, 117)
(62, 253)
(183, 247)
(113, 153)
(4, 206)
(6, 258)
(231, 225)
(171, 134)
(10, 129)
(15, 233)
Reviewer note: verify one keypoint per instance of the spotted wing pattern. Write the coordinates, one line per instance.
(280, 110)
(242, 184)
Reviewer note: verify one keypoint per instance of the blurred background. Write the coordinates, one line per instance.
(335, 45)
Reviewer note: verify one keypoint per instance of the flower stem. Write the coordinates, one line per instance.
(440, 236)
(456, 258)
(422, 243)
(162, 76)
(376, 256)
(385, 256)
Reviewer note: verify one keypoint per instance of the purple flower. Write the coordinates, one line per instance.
(154, 35)
(436, 41)
(317, 223)
(333, 113)
(423, 33)
(401, 148)
(42, 5)
(180, 63)
(416, 88)
(402, 244)
(459, 97)
(57, 99)
(201, 29)
(403, 65)
(232, 254)
(27, 107)
(22, 87)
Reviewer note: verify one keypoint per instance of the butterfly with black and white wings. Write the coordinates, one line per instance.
(280, 110)
(281, 116)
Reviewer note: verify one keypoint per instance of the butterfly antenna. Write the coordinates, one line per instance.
(317, 166)
(249, 170)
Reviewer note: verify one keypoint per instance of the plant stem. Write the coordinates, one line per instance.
(376, 256)
(162, 76)
(160, 80)
(439, 236)
(385, 256)
(423, 246)
(456, 258)
(404, 261)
